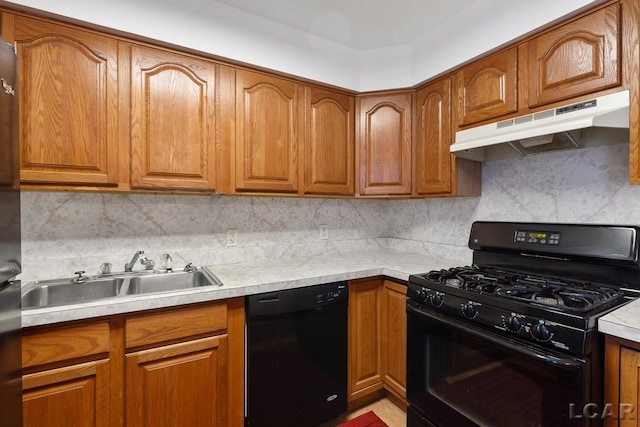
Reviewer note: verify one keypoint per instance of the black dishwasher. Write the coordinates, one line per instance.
(297, 356)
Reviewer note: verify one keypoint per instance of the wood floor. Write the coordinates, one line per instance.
(386, 410)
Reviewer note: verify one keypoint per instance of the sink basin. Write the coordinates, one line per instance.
(64, 292)
(58, 292)
(167, 282)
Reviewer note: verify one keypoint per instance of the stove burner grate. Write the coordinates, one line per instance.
(561, 294)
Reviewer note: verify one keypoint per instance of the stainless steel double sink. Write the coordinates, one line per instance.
(66, 291)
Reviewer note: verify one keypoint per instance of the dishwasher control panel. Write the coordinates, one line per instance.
(336, 293)
(297, 299)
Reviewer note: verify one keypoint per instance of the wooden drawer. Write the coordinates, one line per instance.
(56, 345)
(174, 325)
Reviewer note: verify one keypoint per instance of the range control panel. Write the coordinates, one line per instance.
(515, 323)
(619, 243)
(537, 237)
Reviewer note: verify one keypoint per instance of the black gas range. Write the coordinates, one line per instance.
(521, 320)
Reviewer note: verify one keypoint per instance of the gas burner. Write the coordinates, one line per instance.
(453, 281)
(552, 292)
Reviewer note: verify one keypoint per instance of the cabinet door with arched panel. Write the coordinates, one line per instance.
(578, 58)
(433, 138)
(268, 126)
(488, 88)
(68, 88)
(329, 142)
(385, 143)
(173, 118)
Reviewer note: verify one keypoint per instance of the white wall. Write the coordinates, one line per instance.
(219, 29)
(485, 25)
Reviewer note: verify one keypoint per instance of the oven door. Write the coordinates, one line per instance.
(461, 375)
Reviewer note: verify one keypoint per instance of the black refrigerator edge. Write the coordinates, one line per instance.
(10, 246)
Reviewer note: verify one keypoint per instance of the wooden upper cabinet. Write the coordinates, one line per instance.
(173, 120)
(580, 57)
(9, 123)
(68, 81)
(434, 136)
(268, 117)
(329, 142)
(487, 88)
(384, 139)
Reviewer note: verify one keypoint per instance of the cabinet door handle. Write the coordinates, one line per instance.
(8, 89)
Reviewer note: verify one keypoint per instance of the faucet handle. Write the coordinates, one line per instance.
(189, 268)
(105, 268)
(168, 262)
(148, 263)
(80, 278)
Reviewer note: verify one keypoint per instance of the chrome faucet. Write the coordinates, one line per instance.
(129, 267)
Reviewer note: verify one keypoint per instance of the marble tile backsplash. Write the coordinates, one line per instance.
(66, 232)
(579, 186)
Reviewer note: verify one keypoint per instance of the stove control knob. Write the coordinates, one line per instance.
(436, 300)
(469, 311)
(541, 332)
(422, 295)
(513, 324)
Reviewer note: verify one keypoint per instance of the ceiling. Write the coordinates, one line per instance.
(360, 24)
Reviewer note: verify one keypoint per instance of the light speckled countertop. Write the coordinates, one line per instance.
(623, 322)
(253, 278)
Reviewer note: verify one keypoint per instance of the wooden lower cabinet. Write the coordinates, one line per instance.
(179, 384)
(622, 383)
(364, 352)
(75, 395)
(377, 341)
(167, 367)
(394, 339)
(184, 365)
(66, 380)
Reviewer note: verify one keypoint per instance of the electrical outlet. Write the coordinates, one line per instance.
(324, 232)
(232, 237)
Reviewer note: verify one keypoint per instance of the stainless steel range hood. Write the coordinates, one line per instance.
(547, 130)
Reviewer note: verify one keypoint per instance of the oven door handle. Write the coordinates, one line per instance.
(558, 360)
